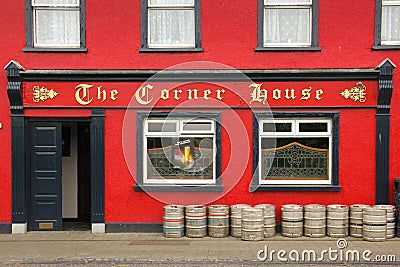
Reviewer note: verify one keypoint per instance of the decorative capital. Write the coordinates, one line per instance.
(357, 93)
(42, 94)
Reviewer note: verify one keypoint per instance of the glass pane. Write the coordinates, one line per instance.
(275, 2)
(390, 23)
(277, 127)
(180, 158)
(287, 26)
(162, 127)
(171, 27)
(171, 2)
(313, 127)
(197, 126)
(57, 27)
(56, 2)
(295, 158)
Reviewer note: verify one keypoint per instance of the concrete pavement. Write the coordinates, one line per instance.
(77, 248)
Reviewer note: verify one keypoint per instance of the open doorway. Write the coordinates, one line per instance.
(76, 176)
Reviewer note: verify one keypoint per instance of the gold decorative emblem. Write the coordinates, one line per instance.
(42, 94)
(357, 93)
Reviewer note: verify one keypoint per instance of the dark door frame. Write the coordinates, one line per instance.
(21, 167)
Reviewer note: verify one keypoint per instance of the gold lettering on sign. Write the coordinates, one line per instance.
(291, 95)
(195, 91)
(357, 93)
(42, 94)
(142, 95)
(164, 94)
(176, 93)
(261, 95)
(305, 93)
(207, 92)
(113, 94)
(219, 94)
(318, 94)
(258, 94)
(82, 94)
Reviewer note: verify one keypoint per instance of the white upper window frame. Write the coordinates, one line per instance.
(388, 3)
(175, 6)
(34, 4)
(47, 6)
(289, 5)
(296, 133)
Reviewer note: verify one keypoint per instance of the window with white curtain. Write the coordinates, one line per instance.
(287, 23)
(55, 24)
(390, 24)
(171, 24)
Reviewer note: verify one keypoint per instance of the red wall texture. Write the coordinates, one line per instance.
(229, 36)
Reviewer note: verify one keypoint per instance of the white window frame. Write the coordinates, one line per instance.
(178, 134)
(61, 7)
(388, 3)
(170, 7)
(296, 133)
(288, 5)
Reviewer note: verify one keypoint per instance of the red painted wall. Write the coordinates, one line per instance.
(229, 36)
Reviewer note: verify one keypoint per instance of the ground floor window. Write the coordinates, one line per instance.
(180, 149)
(296, 149)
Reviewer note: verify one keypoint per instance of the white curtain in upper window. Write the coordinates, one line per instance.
(171, 2)
(390, 24)
(288, 2)
(171, 27)
(55, 2)
(287, 26)
(57, 27)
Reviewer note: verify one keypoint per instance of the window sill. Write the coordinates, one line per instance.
(328, 188)
(47, 49)
(147, 50)
(178, 188)
(311, 48)
(386, 47)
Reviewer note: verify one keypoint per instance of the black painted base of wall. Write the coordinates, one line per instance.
(134, 227)
(5, 228)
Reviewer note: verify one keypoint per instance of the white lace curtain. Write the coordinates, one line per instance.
(57, 27)
(171, 23)
(390, 24)
(56, 23)
(287, 26)
(287, 22)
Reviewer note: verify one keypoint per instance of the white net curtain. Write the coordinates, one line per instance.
(287, 22)
(390, 32)
(171, 23)
(56, 23)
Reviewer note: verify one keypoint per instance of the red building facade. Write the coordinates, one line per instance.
(106, 118)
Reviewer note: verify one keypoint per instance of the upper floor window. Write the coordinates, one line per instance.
(287, 24)
(55, 24)
(387, 20)
(170, 24)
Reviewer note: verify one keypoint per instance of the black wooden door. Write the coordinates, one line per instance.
(45, 211)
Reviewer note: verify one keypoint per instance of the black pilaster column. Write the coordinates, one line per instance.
(383, 131)
(97, 159)
(17, 142)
